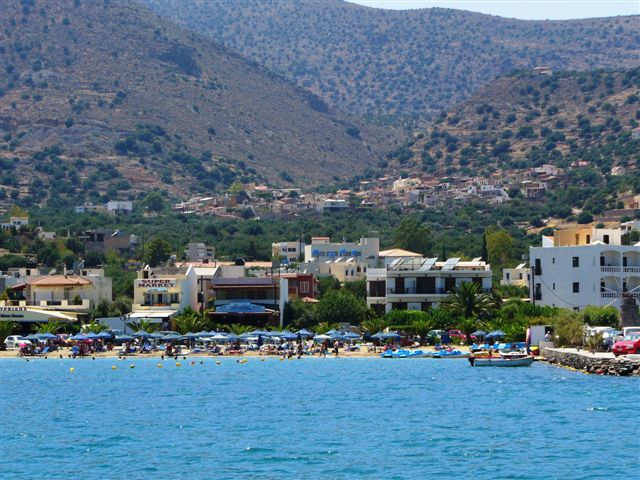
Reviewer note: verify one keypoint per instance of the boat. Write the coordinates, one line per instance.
(501, 362)
(405, 354)
(451, 354)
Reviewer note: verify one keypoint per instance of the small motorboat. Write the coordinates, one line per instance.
(501, 362)
(405, 354)
(450, 354)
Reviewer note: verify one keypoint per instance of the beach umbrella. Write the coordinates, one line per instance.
(191, 335)
(156, 335)
(479, 333)
(378, 336)
(33, 336)
(333, 332)
(104, 335)
(142, 334)
(351, 336)
(304, 333)
(205, 334)
(220, 337)
(495, 334)
(172, 337)
(391, 336)
(124, 338)
(257, 333)
(288, 335)
(322, 337)
(47, 336)
(79, 337)
(92, 335)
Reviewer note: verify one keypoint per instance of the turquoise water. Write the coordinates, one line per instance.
(312, 419)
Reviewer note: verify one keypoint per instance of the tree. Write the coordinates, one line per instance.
(49, 327)
(341, 306)
(299, 314)
(499, 248)
(326, 284)
(358, 288)
(156, 252)
(468, 301)
(142, 325)
(190, 321)
(601, 316)
(414, 236)
(568, 327)
(155, 202)
(6, 329)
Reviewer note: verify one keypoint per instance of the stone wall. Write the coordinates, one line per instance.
(589, 363)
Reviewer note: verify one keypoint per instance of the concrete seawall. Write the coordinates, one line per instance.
(595, 363)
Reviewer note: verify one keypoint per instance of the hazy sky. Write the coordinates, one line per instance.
(525, 9)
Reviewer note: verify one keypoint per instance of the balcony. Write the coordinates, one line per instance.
(619, 294)
(631, 269)
(611, 269)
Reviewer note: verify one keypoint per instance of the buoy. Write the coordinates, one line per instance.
(159, 365)
(192, 363)
(178, 364)
(93, 358)
(72, 369)
(201, 362)
(132, 366)
(113, 367)
(218, 362)
(262, 359)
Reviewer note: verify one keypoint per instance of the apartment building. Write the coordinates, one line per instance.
(199, 252)
(322, 248)
(287, 252)
(581, 267)
(517, 277)
(417, 283)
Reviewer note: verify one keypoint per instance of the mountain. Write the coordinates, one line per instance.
(103, 97)
(410, 63)
(526, 120)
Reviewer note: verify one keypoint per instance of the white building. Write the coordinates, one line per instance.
(322, 249)
(421, 283)
(581, 274)
(333, 205)
(199, 252)
(15, 222)
(119, 207)
(291, 252)
(518, 277)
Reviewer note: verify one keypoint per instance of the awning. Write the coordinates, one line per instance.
(154, 314)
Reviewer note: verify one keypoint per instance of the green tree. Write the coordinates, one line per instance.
(358, 288)
(155, 202)
(499, 248)
(49, 327)
(341, 306)
(190, 321)
(468, 301)
(568, 328)
(6, 329)
(156, 252)
(143, 325)
(601, 316)
(413, 235)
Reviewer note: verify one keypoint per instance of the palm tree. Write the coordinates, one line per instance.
(239, 329)
(49, 327)
(190, 321)
(95, 327)
(468, 301)
(142, 325)
(374, 325)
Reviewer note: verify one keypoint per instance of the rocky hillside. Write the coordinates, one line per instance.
(525, 120)
(101, 97)
(401, 63)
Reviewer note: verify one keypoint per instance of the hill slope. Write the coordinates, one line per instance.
(105, 97)
(401, 63)
(525, 120)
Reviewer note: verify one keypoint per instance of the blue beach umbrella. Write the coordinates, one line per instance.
(496, 334)
(351, 336)
(156, 335)
(124, 338)
(304, 333)
(79, 337)
(142, 334)
(172, 337)
(104, 335)
(47, 336)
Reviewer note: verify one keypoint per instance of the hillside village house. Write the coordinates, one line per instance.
(199, 252)
(417, 283)
(15, 222)
(517, 277)
(581, 266)
(287, 252)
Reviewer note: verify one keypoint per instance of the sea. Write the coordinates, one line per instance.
(312, 419)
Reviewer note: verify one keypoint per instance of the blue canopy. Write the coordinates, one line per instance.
(79, 337)
(496, 333)
(191, 335)
(156, 335)
(258, 333)
(305, 333)
(104, 335)
(205, 334)
(92, 335)
(351, 335)
(479, 333)
(141, 333)
(124, 338)
(241, 307)
(46, 336)
(172, 337)
(288, 335)
(33, 336)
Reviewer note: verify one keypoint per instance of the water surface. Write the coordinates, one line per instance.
(312, 419)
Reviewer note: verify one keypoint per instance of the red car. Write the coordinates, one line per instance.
(630, 344)
(457, 334)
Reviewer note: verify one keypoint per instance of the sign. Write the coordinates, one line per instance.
(155, 283)
(13, 309)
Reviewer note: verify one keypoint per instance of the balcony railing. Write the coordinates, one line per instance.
(619, 294)
(631, 269)
(610, 269)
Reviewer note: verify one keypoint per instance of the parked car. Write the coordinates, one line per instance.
(12, 342)
(457, 334)
(630, 344)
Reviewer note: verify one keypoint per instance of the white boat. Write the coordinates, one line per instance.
(501, 362)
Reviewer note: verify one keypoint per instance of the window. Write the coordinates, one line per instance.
(576, 262)
(538, 267)
(576, 287)
(304, 287)
(588, 239)
(553, 260)
(606, 239)
(554, 285)
(508, 276)
(175, 298)
(538, 292)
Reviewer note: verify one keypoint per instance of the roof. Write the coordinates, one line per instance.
(60, 281)
(243, 282)
(398, 252)
(153, 314)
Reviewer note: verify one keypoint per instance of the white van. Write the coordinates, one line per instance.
(12, 342)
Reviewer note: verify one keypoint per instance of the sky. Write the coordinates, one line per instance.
(523, 9)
